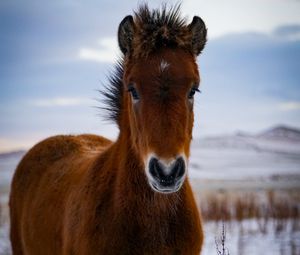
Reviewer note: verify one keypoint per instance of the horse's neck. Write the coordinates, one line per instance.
(132, 191)
(122, 196)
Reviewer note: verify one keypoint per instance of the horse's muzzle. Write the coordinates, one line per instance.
(166, 177)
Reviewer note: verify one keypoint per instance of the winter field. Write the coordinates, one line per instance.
(250, 184)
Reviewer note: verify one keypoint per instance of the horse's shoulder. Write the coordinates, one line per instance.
(93, 141)
(61, 146)
(55, 147)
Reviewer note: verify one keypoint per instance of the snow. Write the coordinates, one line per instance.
(244, 158)
(4, 240)
(246, 238)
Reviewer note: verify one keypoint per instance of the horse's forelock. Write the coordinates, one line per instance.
(159, 28)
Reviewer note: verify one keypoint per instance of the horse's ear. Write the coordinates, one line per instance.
(125, 34)
(199, 32)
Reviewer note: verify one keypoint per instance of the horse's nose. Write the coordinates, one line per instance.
(167, 174)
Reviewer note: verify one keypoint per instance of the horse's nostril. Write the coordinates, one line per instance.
(167, 174)
(155, 168)
(179, 168)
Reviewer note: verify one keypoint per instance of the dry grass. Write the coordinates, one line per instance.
(263, 206)
(273, 212)
(227, 205)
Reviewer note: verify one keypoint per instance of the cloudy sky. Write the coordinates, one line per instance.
(55, 55)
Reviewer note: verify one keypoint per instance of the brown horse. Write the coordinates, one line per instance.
(86, 195)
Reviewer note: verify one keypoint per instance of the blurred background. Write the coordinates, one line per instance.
(245, 163)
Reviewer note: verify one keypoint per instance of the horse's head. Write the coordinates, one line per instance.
(160, 79)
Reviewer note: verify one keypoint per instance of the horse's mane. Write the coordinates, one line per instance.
(113, 93)
(160, 28)
(154, 29)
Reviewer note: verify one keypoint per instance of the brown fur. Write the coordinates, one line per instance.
(163, 27)
(86, 195)
(155, 29)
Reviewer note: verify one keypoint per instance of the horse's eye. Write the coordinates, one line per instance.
(192, 92)
(133, 92)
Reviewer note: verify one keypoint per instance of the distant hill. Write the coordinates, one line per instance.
(279, 139)
(281, 132)
(12, 154)
(272, 155)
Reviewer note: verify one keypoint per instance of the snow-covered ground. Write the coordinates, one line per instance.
(267, 160)
(4, 240)
(261, 161)
(247, 239)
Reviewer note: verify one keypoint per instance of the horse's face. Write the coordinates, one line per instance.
(159, 102)
(161, 78)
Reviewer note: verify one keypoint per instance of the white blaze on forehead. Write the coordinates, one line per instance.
(163, 65)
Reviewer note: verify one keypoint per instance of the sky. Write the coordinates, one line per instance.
(56, 55)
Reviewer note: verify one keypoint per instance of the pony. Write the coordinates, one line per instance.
(86, 195)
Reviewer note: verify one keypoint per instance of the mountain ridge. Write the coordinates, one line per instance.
(278, 134)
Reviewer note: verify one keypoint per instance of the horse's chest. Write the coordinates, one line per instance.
(165, 237)
(138, 234)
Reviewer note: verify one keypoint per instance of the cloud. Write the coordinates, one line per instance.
(289, 106)
(106, 53)
(61, 101)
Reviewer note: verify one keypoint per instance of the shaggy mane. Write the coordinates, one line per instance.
(113, 93)
(159, 28)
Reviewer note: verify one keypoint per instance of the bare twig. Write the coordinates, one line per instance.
(224, 250)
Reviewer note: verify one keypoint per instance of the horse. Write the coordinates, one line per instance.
(86, 195)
